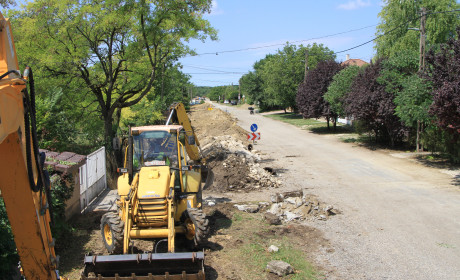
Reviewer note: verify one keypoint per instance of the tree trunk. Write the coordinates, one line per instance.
(110, 155)
(327, 119)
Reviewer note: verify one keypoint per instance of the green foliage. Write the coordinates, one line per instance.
(55, 127)
(395, 15)
(339, 88)
(223, 93)
(8, 256)
(111, 53)
(251, 87)
(275, 79)
(281, 75)
(61, 191)
(201, 91)
(414, 100)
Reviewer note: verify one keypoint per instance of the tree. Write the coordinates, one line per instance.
(444, 72)
(284, 71)
(339, 88)
(310, 94)
(373, 106)
(112, 48)
(7, 3)
(251, 87)
(397, 16)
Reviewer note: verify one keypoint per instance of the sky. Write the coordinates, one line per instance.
(243, 24)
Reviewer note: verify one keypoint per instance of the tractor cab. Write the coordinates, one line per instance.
(157, 147)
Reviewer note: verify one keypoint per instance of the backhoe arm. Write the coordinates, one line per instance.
(179, 115)
(24, 197)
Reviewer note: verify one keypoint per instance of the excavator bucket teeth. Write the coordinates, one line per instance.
(171, 266)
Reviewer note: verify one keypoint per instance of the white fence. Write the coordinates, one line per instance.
(93, 178)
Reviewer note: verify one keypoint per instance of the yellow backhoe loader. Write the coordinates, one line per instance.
(160, 200)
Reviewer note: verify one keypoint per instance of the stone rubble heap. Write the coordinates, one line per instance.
(290, 206)
(299, 205)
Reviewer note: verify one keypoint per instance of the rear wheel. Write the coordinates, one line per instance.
(112, 232)
(196, 225)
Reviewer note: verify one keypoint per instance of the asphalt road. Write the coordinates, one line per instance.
(400, 220)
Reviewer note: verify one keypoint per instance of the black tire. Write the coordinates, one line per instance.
(112, 232)
(198, 218)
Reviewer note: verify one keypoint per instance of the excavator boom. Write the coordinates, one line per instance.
(21, 178)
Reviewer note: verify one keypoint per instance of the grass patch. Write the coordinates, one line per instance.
(252, 255)
(319, 127)
(297, 120)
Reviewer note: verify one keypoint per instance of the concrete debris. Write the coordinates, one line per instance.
(211, 201)
(290, 206)
(289, 216)
(280, 268)
(273, 249)
(248, 208)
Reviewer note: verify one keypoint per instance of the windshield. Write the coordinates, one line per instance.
(155, 148)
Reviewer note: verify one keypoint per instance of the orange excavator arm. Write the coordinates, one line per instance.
(22, 181)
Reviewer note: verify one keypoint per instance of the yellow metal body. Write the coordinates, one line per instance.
(27, 210)
(149, 206)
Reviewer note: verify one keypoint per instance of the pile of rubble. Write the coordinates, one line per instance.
(290, 206)
(235, 168)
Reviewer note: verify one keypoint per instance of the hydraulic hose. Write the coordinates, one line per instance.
(31, 127)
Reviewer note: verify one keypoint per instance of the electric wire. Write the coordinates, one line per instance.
(280, 44)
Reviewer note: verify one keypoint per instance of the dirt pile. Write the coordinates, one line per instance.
(211, 123)
(235, 168)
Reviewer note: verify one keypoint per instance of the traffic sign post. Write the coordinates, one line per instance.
(254, 127)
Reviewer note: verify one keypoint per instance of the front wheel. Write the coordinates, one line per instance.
(196, 225)
(112, 232)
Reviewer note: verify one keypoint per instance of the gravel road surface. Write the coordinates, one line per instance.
(400, 219)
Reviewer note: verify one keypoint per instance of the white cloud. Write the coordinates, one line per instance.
(354, 4)
(215, 9)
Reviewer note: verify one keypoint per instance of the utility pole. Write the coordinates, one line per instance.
(239, 90)
(421, 68)
(306, 65)
(422, 40)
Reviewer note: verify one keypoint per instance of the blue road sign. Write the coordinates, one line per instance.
(253, 127)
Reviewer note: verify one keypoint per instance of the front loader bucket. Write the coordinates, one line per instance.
(145, 266)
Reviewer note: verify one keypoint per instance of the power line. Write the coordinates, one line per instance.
(228, 73)
(207, 69)
(188, 65)
(279, 44)
(331, 35)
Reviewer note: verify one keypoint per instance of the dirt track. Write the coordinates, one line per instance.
(400, 219)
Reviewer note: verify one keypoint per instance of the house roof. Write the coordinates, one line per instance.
(357, 62)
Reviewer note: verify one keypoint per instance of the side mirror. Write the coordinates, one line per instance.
(191, 140)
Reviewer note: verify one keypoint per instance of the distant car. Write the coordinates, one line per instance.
(226, 102)
(233, 102)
